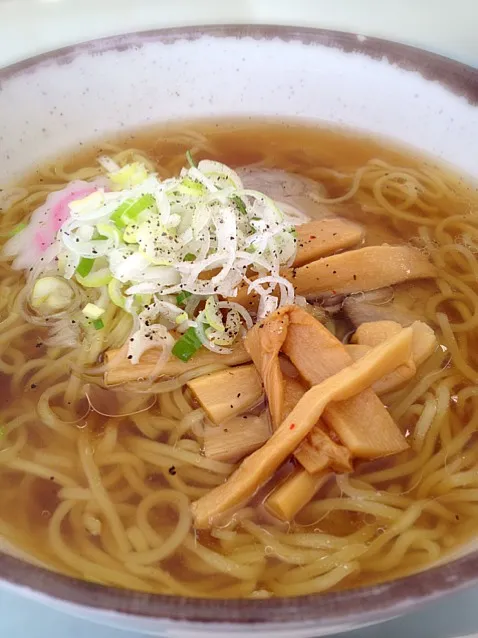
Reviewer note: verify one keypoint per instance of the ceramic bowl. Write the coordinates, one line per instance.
(51, 103)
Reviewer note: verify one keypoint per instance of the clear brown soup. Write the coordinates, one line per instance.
(106, 499)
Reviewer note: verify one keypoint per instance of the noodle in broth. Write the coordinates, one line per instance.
(108, 499)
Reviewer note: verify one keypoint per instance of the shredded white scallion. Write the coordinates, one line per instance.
(164, 249)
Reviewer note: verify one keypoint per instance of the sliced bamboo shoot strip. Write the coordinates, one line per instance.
(370, 334)
(319, 451)
(390, 381)
(236, 438)
(294, 493)
(294, 390)
(302, 486)
(357, 351)
(362, 423)
(229, 392)
(264, 342)
(374, 332)
(325, 237)
(122, 370)
(424, 340)
(260, 465)
(363, 269)
(352, 271)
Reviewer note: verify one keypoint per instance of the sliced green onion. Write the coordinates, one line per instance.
(14, 231)
(239, 203)
(85, 266)
(92, 311)
(131, 209)
(3, 431)
(129, 175)
(108, 231)
(98, 324)
(233, 325)
(193, 184)
(189, 186)
(187, 345)
(213, 315)
(51, 294)
(115, 293)
(181, 298)
(150, 221)
(86, 204)
(117, 214)
(144, 202)
(182, 317)
(18, 229)
(144, 300)
(95, 279)
(130, 234)
(190, 159)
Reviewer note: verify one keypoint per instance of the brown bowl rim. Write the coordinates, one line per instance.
(353, 607)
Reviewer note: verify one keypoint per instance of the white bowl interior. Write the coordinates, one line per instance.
(72, 98)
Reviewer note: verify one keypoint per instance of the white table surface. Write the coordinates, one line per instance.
(449, 27)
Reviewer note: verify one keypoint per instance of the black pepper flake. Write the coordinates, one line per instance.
(130, 356)
(232, 407)
(334, 272)
(355, 277)
(172, 470)
(238, 394)
(33, 386)
(52, 478)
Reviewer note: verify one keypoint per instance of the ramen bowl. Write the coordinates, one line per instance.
(69, 98)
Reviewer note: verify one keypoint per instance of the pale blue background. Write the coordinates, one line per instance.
(457, 617)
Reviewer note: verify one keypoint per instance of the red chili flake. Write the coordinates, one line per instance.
(334, 292)
(291, 426)
(313, 237)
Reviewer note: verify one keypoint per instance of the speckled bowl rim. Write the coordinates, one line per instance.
(355, 606)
